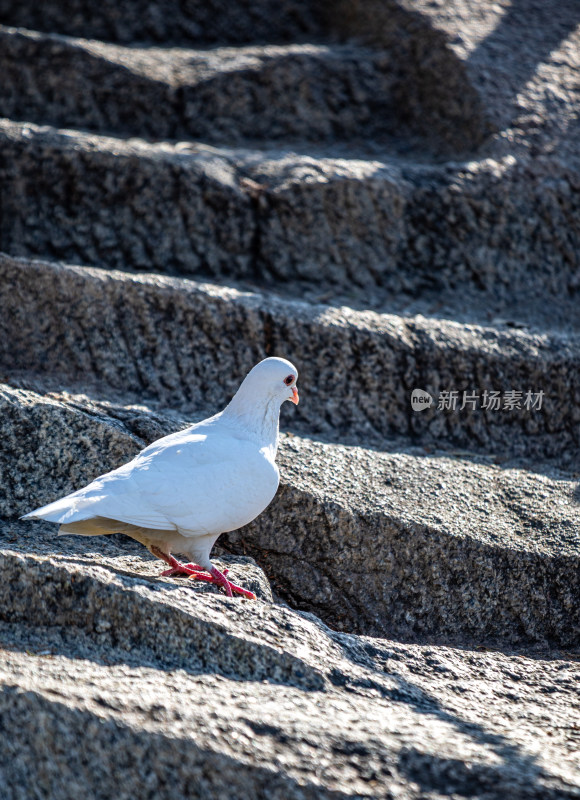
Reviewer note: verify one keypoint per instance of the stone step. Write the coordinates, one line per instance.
(222, 96)
(352, 224)
(179, 344)
(393, 542)
(126, 203)
(171, 21)
(431, 78)
(233, 698)
(114, 599)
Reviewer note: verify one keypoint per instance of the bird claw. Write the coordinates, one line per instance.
(177, 572)
(196, 567)
(198, 573)
(220, 579)
(185, 570)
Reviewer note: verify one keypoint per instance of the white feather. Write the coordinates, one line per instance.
(182, 491)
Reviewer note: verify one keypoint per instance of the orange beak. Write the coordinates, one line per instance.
(294, 399)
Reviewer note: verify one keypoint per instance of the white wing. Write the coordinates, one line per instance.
(202, 480)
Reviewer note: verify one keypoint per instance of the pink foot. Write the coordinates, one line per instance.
(184, 569)
(220, 579)
(175, 568)
(191, 570)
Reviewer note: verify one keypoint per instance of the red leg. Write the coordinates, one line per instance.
(182, 570)
(175, 567)
(202, 569)
(191, 570)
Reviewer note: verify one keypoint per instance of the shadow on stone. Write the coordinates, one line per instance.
(108, 756)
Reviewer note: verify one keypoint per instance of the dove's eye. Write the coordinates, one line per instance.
(288, 380)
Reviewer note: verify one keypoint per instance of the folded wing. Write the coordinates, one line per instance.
(191, 481)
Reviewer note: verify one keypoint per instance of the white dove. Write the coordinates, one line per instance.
(182, 491)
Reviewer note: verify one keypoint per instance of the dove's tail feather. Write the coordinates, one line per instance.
(84, 527)
(101, 526)
(92, 527)
(67, 509)
(81, 518)
(98, 515)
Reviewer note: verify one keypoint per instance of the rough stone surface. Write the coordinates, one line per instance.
(432, 84)
(462, 76)
(116, 203)
(389, 189)
(185, 345)
(227, 95)
(176, 22)
(282, 217)
(499, 561)
(221, 698)
(523, 56)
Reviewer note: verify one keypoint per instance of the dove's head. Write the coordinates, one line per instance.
(275, 379)
(255, 407)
